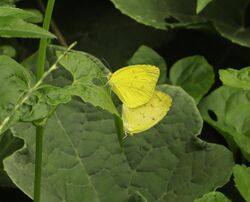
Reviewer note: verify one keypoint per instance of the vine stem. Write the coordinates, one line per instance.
(119, 130)
(44, 41)
(40, 129)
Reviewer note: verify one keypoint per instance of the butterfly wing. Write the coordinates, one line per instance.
(135, 84)
(146, 116)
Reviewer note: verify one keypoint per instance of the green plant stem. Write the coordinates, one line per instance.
(40, 129)
(38, 164)
(119, 130)
(44, 41)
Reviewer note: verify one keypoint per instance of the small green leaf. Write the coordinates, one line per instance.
(236, 78)
(146, 55)
(227, 109)
(213, 197)
(14, 27)
(43, 102)
(17, 13)
(201, 4)
(194, 74)
(90, 79)
(242, 180)
(8, 51)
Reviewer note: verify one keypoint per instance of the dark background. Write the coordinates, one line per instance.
(103, 31)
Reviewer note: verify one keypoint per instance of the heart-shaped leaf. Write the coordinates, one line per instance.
(83, 161)
(227, 109)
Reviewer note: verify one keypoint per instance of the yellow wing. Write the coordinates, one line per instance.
(144, 117)
(135, 84)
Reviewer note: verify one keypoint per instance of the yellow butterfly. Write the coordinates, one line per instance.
(146, 116)
(135, 84)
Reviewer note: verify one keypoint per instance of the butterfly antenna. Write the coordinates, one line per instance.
(110, 90)
(106, 63)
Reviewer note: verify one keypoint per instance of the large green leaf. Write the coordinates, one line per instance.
(242, 180)
(146, 55)
(15, 27)
(194, 74)
(213, 197)
(227, 109)
(236, 78)
(227, 16)
(83, 161)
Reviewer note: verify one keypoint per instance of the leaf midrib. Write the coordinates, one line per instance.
(77, 155)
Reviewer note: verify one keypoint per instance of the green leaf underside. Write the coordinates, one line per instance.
(146, 55)
(194, 74)
(15, 27)
(242, 180)
(213, 197)
(15, 80)
(90, 81)
(236, 78)
(83, 161)
(227, 16)
(231, 106)
(202, 4)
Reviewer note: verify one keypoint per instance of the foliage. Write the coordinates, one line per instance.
(15, 22)
(223, 16)
(236, 78)
(213, 197)
(201, 4)
(84, 156)
(242, 180)
(188, 72)
(82, 153)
